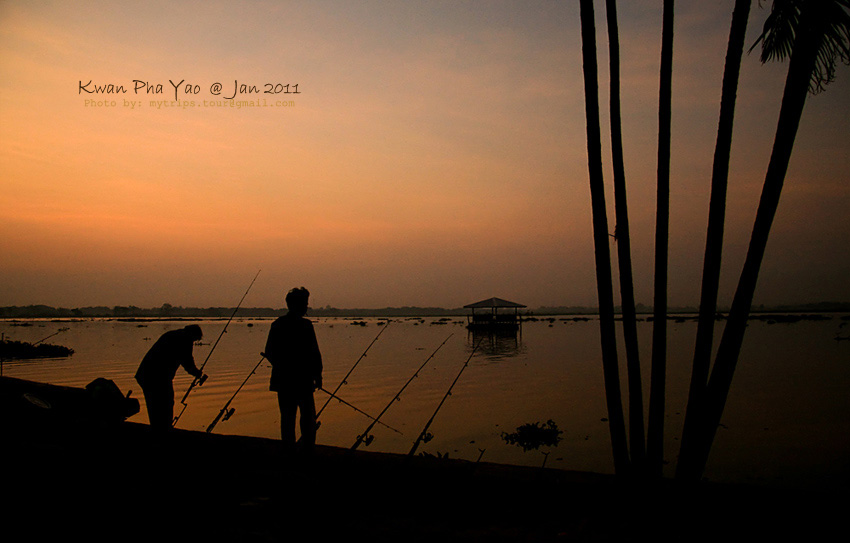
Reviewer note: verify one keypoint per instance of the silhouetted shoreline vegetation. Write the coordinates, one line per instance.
(166, 311)
(22, 350)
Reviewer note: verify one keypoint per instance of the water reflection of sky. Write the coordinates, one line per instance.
(497, 346)
(785, 422)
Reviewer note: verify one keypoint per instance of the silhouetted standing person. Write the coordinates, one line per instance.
(158, 368)
(293, 351)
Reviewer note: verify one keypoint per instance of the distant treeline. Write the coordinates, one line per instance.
(165, 311)
(173, 312)
(169, 311)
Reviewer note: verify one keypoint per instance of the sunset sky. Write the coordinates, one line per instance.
(435, 155)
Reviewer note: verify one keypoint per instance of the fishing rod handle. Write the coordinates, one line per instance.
(213, 423)
(188, 390)
(197, 381)
(180, 414)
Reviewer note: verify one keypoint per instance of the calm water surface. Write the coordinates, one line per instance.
(786, 422)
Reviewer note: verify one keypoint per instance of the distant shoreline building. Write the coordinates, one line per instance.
(494, 314)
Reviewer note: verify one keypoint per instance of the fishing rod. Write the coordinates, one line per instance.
(227, 411)
(337, 398)
(198, 381)
(345, 379)
(365, 437)
(424, 435)
(51, 335)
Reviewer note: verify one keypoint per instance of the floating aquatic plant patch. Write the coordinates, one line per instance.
(534, 435)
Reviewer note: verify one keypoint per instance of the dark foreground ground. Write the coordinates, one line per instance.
(65, 477)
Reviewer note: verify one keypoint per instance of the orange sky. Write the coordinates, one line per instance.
(434, 156)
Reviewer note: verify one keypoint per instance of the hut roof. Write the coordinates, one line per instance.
(493, 302)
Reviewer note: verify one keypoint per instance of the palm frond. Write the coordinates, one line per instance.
(828, 21)
(833, 23)
(779, 30)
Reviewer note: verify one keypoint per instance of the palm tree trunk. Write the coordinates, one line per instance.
(655, 434)
(716, 219)
(622, 236)
(605, 289)
(793, 101)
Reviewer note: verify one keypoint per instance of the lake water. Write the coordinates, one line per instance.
(786, 421)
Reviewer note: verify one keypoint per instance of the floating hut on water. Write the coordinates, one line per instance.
(494, 314)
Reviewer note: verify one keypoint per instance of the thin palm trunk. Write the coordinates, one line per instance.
(803, 60)
(624, 259)
(716, 220)
(658, 373)
(610, 368)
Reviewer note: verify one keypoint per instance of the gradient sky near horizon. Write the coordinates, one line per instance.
(434, 156)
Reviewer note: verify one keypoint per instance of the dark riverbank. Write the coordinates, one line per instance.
(67, 477)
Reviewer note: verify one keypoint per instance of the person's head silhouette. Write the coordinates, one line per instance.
(194, 332)
(296, 301)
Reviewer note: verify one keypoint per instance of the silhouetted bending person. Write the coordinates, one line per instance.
(158, 368)
(293, 351)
